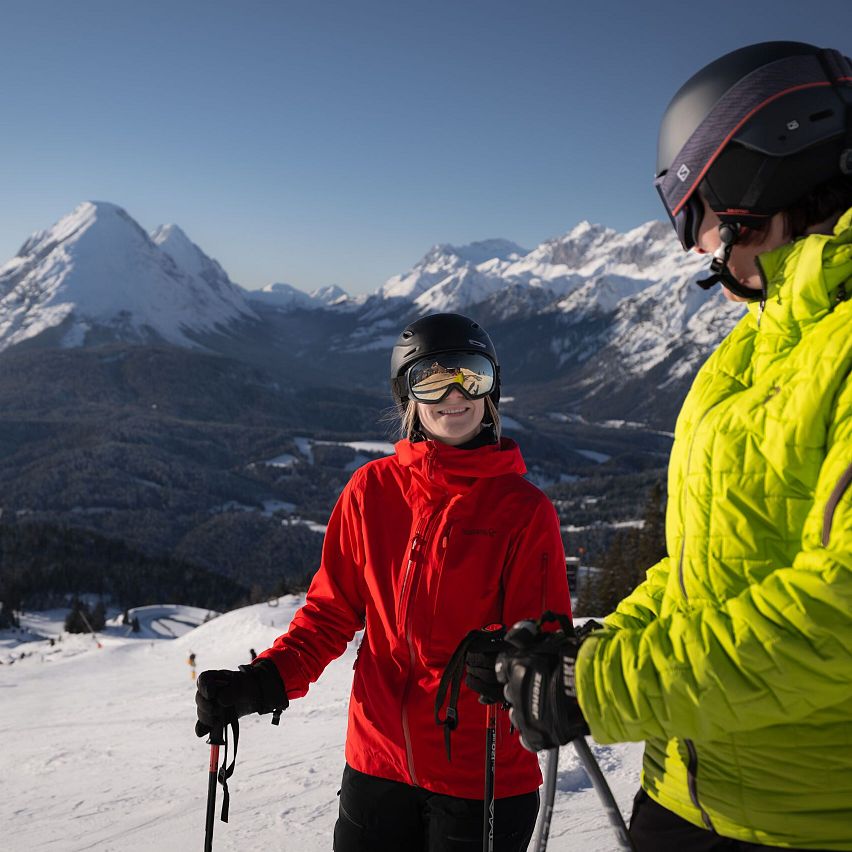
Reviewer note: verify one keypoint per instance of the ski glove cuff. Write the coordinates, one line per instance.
(223, 696)
(538, 678)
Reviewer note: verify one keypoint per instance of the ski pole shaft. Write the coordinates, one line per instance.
(490, 768)
(215, 741)
(604, 794)
(550, 771)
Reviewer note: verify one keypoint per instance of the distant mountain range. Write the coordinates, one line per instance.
(593, 317)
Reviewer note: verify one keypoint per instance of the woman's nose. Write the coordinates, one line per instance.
(455, 393)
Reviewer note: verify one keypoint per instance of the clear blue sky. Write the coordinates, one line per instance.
(334, 142)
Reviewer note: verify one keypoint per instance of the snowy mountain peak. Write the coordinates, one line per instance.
(329, 295)
(282, 295)
(97, 275)
(444, 261)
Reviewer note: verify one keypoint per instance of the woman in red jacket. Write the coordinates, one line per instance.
(444, 537)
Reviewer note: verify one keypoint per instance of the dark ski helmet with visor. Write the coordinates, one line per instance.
(439, 352)
(754, 131)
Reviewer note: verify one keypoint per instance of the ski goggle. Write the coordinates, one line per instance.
(687, 221)
(432, 378)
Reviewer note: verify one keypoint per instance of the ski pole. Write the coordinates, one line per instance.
(490, 769)
(549, 795)
(604, 793)
(215, 739)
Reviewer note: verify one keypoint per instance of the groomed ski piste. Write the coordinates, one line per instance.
(98, 749)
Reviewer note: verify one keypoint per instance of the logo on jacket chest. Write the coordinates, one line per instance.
(490, 531)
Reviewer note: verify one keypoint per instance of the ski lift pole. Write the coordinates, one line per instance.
(490, 769)
(604, 794)
(215, 739)
(549, 795)
(89, 625)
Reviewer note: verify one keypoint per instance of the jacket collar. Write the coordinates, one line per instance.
(438, 469)
(803, 279)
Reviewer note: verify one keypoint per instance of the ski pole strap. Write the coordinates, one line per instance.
(226, 773)
(451, 680)
(550, 617)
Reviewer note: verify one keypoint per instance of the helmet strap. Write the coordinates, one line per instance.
(729, 233)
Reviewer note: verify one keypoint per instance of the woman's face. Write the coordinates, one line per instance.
(454, 420)
(742, 262)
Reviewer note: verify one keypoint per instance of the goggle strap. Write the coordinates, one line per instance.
(400, 386)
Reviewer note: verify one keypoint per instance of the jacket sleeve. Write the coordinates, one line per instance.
(334, 606)
(535, 578)
(642, 605)
(775, 653)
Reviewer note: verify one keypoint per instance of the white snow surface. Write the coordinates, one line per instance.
(99, 752)
(97, 270)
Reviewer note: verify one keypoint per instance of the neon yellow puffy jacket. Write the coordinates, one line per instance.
(733, 659)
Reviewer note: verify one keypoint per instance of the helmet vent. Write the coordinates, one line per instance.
(823, 114)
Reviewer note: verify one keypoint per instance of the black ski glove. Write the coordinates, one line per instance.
(224, 696)
(480, 662)
(539, 684)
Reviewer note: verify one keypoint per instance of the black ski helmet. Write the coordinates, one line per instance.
(433, 335)
(756, 129)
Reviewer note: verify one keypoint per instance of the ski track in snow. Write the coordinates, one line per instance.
(99, 753)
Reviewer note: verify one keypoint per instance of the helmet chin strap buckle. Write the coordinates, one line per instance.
(729, 233)
(719, 265)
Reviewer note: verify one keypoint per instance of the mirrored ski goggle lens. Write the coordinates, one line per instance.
(431, 379)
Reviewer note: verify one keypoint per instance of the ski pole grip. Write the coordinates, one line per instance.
(217, 735)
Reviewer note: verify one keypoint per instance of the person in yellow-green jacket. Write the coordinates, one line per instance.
(732, 661)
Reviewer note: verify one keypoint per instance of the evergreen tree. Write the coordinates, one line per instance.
(98, 616)
(8, 617)
(75, 621)
(624, 563)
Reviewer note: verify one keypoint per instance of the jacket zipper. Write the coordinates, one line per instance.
(413, 555)
(545, 557)
(764, 290)
(833, 500)
(418, 549)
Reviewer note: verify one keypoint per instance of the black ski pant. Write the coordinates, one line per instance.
(377, 815)
(654, 828)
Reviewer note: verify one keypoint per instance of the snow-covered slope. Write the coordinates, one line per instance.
(99, 752)
(97, 275)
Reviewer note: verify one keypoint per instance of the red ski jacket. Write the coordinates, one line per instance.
(421, 548)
